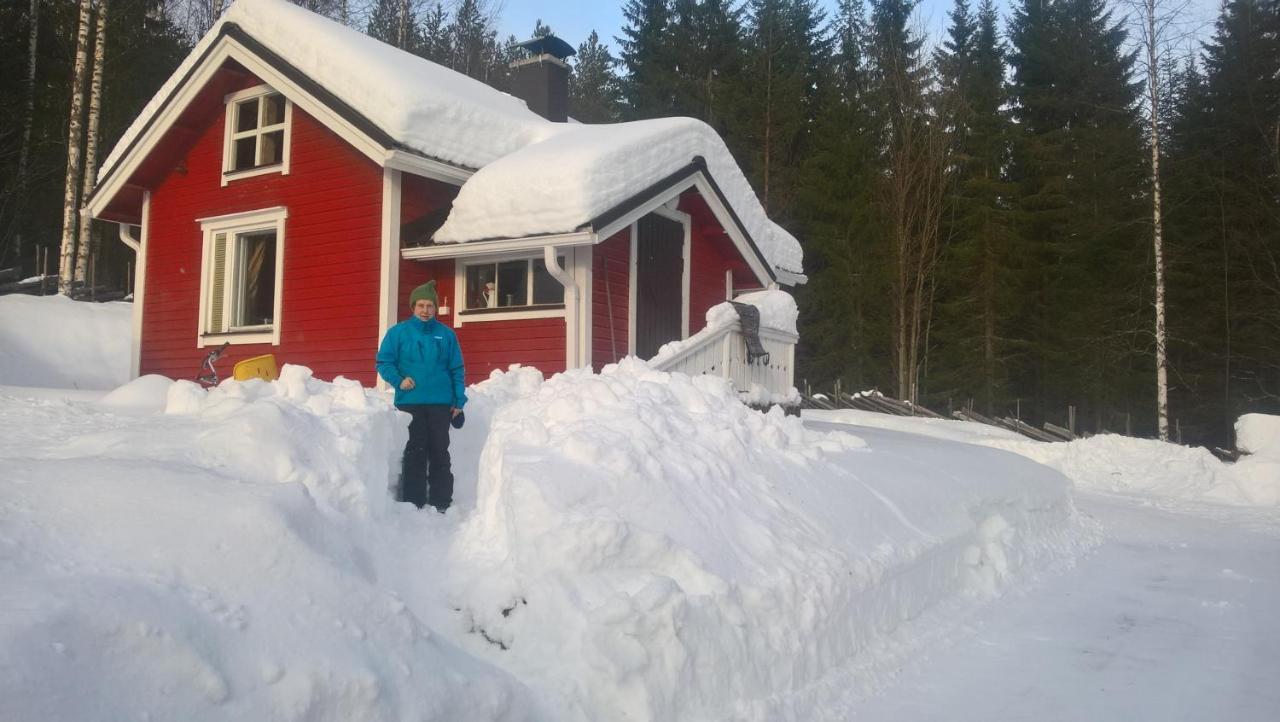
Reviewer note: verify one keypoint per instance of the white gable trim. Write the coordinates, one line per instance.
(227, 48)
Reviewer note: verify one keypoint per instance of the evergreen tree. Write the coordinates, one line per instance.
(437, 45)
(841, 307)
(978, 279)
(647, 84)
(593, 87)
(1079, 164)
(389, 19)
(783, 72)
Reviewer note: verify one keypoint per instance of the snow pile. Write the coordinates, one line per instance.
(55, 342)
(645, 547)
(1120, 464)
(1258, 473)
(597, 167)
(949, 429)
(449, 116)
(218, 562)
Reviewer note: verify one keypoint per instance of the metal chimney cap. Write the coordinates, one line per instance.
(548, 45)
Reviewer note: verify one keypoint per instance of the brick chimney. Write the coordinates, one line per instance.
(542, 79)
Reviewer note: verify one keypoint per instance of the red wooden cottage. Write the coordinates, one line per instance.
(295, 179)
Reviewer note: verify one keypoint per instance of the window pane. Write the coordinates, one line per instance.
(247, 115)
(513, 283)
(245, 148)
(545, 288)
(256, 279)
(272, 147)
(273, 109)
(480, 287)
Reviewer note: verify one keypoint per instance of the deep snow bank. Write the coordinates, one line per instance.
(224, 559)
(625, 545)
(1121, 464)
(52, 341)
(645, 547)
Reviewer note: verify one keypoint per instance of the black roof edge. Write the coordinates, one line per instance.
(287, 69)
(697, 166)
(642, 197)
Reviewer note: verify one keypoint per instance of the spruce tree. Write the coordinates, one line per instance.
(978, 277)
(1079, 164)
(647, 84)
(593, 87)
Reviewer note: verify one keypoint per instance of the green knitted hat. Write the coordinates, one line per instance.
(427, 291)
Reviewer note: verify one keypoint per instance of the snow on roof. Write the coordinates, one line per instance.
(562, 182)
(428, 107)
(450, 117)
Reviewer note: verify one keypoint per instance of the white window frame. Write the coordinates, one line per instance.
(230, 136)
(236, 225)
(462, 314)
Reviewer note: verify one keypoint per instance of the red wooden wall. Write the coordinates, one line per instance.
(488, 345)
(712, 253)
(331, 254)
(610, 288)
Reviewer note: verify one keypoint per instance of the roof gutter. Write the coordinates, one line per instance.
(497, 247)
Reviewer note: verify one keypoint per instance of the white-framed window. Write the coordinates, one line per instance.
(517, 286)
(241, 276)
(257, 134)
(510, 284)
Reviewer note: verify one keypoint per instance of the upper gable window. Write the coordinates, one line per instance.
(257, 134)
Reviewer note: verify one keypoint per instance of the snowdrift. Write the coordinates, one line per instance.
(683, 557)
(1121, 464)
(54, 342)
(625, 545)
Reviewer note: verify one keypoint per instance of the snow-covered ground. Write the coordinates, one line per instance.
(55, 342)
(625, 545)
(1121, 464)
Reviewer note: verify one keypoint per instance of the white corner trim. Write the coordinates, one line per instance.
(139, 287)
(631, 289)
(388, 257)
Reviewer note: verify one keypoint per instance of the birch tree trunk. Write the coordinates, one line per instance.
(75, 133)
(1151, 38)
(91, 141)
(24, 153)
(402, 37)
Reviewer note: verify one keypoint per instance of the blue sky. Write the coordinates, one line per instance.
(573, 21)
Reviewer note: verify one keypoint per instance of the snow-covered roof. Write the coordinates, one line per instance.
(579, 172)
(450, 117)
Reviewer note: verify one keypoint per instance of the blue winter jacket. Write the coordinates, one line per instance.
(428, 353)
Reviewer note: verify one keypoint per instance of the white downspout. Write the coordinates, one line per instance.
(571, 303)
(127, 237)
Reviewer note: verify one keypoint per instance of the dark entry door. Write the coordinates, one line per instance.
(659, 271)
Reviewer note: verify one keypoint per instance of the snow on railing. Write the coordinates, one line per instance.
(723, 352)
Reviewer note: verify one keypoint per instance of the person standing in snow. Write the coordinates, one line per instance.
(420, 358)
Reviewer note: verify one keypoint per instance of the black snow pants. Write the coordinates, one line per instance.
(426, 476)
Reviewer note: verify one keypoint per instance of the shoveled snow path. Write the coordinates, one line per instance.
(1174, 617)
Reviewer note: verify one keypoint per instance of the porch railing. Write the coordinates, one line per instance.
(723, 353)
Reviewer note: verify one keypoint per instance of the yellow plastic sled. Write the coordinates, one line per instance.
(258, 367)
